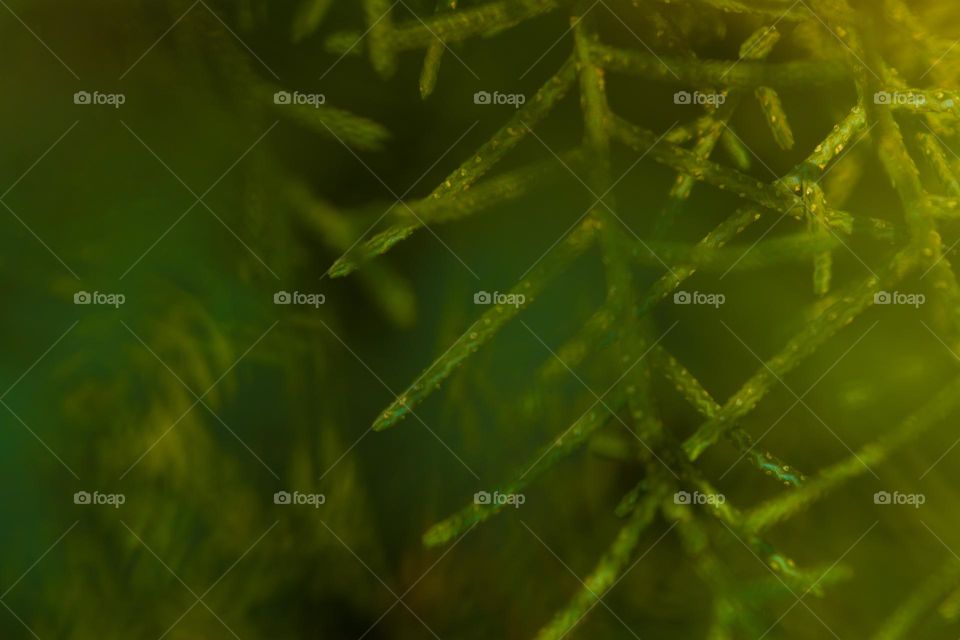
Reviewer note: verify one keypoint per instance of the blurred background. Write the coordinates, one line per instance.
(145, 156)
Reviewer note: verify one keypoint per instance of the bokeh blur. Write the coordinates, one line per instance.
(189, 390)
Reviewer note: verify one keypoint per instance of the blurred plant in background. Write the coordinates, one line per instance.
(686, 224)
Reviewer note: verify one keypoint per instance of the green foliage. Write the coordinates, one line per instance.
(797, 194)
(672, 198)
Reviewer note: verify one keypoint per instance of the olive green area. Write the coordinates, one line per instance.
(715, 380)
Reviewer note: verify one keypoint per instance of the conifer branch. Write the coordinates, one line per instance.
(431, 68)
(691, 389)
(844, 133)
(756, 47)
(776, 117)
(354, 130)
(483, 20)
(390, 291)
(433, 56)
(710, 73)
(594, 336)
(787, 505)
(718, 237)
(736, 150)
(379, 32)
(486, 327)
(816, 207)
(308, 18)
(775, 197)
(624, 320)
(414, 215)
(559, 448)
(511, 134)
(605, 574)
(779, 11)
(468, 173)
(848, 306)
(724, 511)
(781, 250)
(921, 599)
(937, 161)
